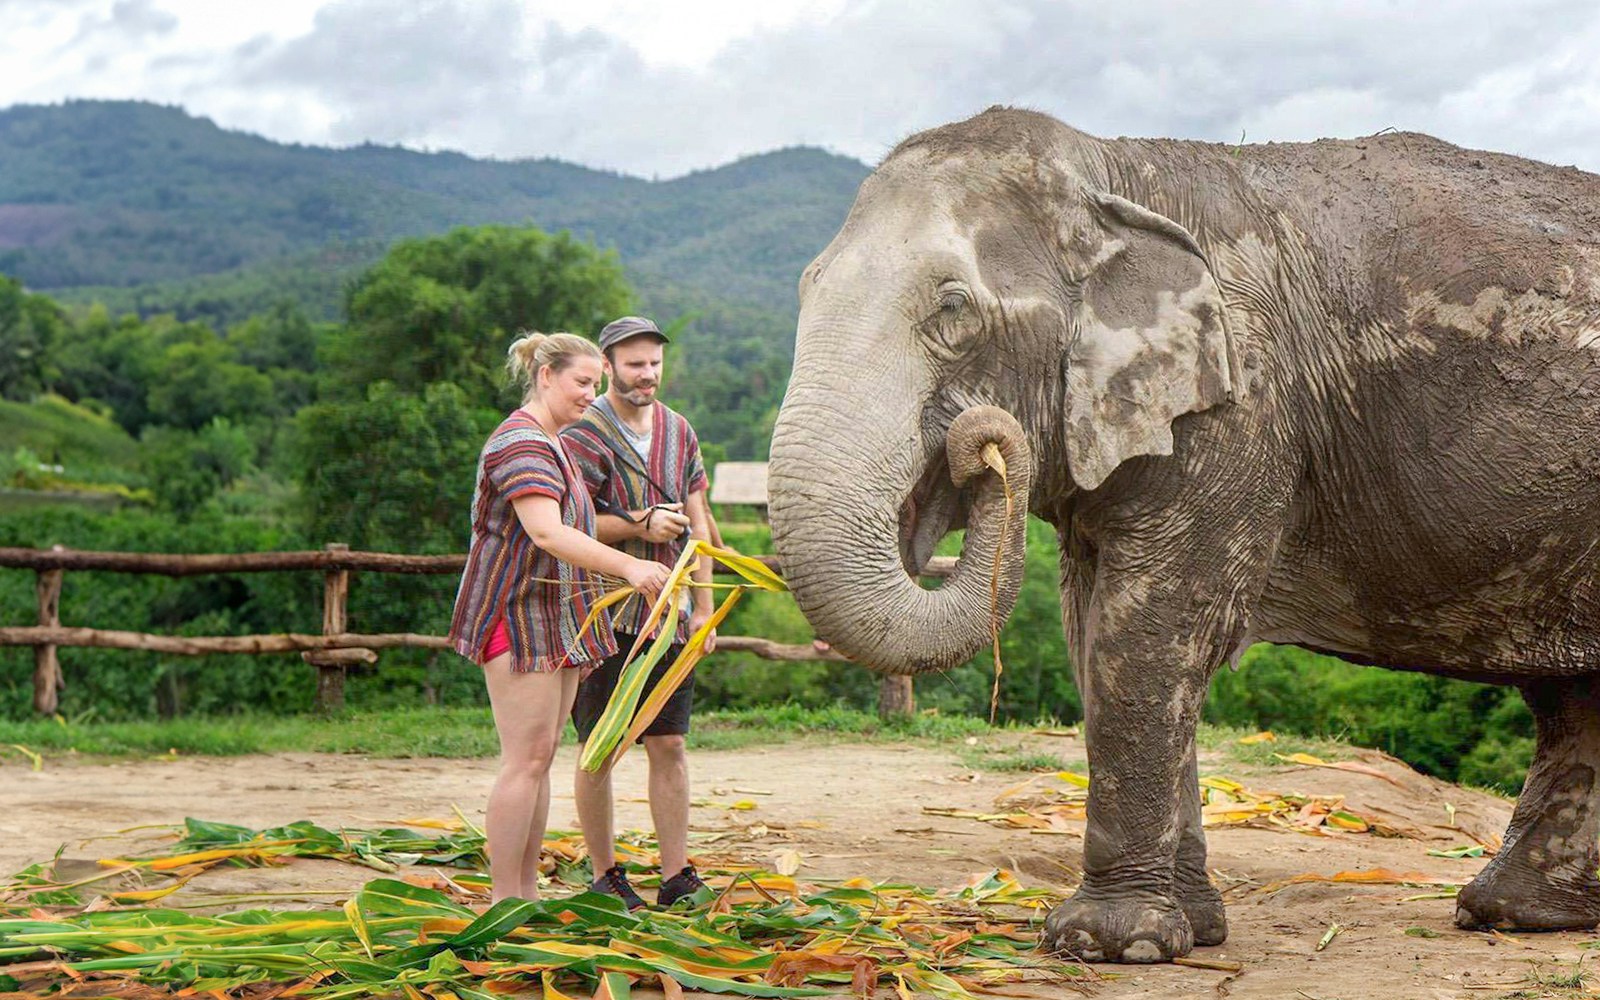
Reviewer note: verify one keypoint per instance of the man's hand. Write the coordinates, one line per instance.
(663, 523)
(698, 617)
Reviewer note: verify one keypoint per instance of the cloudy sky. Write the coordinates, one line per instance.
(658, 88)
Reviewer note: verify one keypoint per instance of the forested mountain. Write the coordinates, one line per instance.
(122, 194)
(146, 209)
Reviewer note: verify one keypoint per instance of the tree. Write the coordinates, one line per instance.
(394, 470)
(108, 361)
(281, 337)
(186, 468)
(444, 309)
(30, 326)
(194, 382)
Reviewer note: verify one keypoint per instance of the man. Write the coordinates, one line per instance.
(641, 463)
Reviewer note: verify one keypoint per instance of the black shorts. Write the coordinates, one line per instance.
(596, 690)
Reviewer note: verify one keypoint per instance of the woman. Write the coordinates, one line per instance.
(529, 582)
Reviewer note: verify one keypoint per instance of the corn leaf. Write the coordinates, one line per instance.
(764, 937)
(752, 569)
(618, 713)
(669, 683)
(614, 597)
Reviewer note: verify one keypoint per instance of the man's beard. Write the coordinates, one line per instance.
(630, 390)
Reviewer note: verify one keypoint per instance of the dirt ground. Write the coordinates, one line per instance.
(864, 804)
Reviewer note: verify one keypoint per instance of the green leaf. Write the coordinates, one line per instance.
(500, 919)
(593, 909)
(199, 834)
(391, 897)
(614, 986)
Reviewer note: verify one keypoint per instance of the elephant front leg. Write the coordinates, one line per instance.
(1543, 878)
(1191, 882)
(1140, 714)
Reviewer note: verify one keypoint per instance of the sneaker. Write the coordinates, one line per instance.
(615, 883)
(680, 886)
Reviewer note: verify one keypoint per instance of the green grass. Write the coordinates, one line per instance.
(1225, 739)
(91, 447)
(437, 732)
(431, 732)
(469, 732)
(741, 727)
(1014, 760)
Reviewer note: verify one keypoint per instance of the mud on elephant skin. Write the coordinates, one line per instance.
(1343, 394)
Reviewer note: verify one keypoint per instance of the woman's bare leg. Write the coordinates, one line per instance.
(528, 717)
(541, 815)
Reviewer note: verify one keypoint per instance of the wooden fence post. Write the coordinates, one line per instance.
(47, 680)
(896, 696)
(331, 663)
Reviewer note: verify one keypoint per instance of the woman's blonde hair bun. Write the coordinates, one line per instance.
(533, 350)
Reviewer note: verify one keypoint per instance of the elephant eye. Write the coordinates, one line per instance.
(952, 300)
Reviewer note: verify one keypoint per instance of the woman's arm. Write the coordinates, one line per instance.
(540, 517)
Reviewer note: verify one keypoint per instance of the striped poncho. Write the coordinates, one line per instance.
(597, 445)
(543, 600)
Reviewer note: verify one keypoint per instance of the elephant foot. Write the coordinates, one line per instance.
(1133, 929)
(1202, 904)
(1529, 901)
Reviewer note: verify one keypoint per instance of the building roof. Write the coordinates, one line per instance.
(739, 482)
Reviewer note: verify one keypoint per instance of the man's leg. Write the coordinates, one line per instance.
(591, 790)
(669, 799)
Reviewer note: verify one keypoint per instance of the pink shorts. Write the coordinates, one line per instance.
(500, 642)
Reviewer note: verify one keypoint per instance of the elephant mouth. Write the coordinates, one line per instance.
(932, 507)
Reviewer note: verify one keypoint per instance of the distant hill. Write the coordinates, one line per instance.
(55, 430)
(129, 195)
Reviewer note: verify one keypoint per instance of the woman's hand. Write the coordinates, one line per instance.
(647, 578)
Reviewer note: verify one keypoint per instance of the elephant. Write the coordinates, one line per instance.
(1342, 394)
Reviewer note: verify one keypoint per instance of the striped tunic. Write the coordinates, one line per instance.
(616, 484)
(543, 600)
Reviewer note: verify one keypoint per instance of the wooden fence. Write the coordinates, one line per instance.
(332, 651)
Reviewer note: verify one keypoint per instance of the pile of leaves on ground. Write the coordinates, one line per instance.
(1058, 803)
(426, 932)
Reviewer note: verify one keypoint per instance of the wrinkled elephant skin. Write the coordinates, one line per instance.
(1343, 394)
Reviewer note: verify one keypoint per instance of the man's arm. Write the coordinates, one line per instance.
(701, 526)
(583, 443)
(659, 524)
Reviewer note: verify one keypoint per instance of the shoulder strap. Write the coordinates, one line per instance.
(628, 456)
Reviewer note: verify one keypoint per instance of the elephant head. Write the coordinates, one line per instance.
(987, 285)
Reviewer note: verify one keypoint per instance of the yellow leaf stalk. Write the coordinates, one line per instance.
(613, 722)
(752, 569)
(996, 461)
(625, 718)
(692, 654)
(615, 597)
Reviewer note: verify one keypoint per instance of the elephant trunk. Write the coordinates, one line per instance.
(835, 518)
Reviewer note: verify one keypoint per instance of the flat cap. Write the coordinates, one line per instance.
(627, 328)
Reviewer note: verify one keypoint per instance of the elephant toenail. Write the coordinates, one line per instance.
(1143, 952)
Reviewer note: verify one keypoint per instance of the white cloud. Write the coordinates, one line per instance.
(655, 88)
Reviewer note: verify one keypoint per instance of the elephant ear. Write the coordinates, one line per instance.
(1152, 341)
